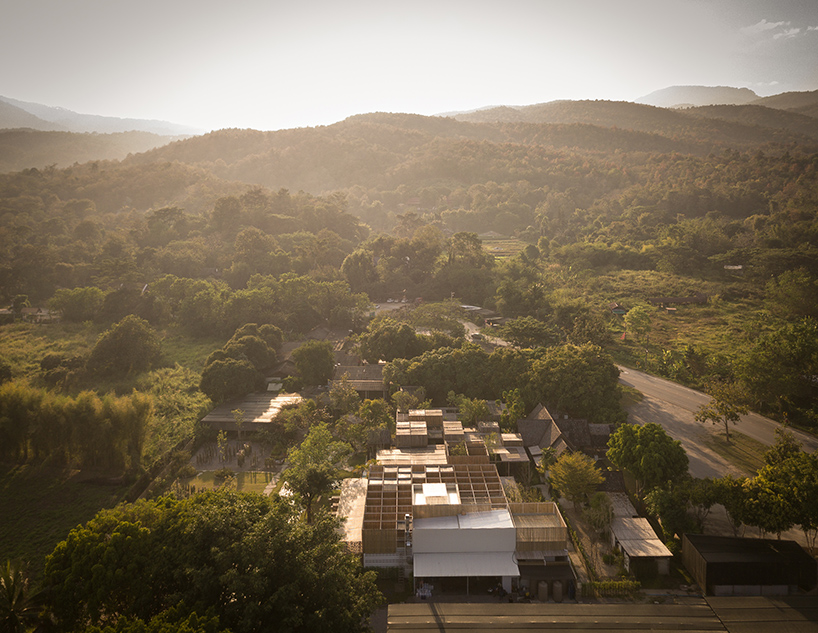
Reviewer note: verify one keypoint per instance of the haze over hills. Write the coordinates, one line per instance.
(41, 117)
(678, 96)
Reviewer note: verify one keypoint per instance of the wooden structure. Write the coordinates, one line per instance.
(540, 527)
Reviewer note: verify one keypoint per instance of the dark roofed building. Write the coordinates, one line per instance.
(540, 429)
(726, 565)
(367, 380)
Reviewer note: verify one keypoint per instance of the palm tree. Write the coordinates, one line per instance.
(19, 605)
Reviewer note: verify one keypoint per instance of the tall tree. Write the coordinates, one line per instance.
(724, 407)
(313, 465)
(649, 453)
(314, 362)
(637, 320)
(129, 346)
(575, 476)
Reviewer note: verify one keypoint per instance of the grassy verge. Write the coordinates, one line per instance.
(41, 505)
(742, 451)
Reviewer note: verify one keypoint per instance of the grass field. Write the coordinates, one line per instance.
(742, 451)
(41, 505)
(503, 247)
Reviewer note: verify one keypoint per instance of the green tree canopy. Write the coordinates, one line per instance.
(229, 379)
(575, 476)
(724, 407)
(527, 331)
(649, 453)
(314, 362)
(313, 465)
(129, 346)
(637, 320)
(242, 558)
(78, 304)
(580, 380)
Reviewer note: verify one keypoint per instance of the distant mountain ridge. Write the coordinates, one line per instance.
(687, 96)
(22, 114)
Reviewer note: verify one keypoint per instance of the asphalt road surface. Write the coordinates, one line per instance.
(673, 407)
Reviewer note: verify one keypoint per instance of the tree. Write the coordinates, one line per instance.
(793, 479)
(669, 503)
(242, 558)
(514, 410)
(773, 371)
(723, 407)
(470, 410)
(793, 293)
(406, 400)
(129, 346)
(599, 513)
(649, 453)
(637, 320)
(228, 379)
(580, 380)
(78, 304)
(785, 447)
(575, 476)
(314, 362)
(253, 349)
(5, 372)
(343, 397)
(730, 492)
(18, 303)
(312, 465)
(528, 332)
(387, 339)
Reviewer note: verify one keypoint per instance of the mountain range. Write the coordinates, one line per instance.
(374, 147)
(17, 114)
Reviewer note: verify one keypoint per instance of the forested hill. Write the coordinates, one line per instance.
(676, 124)
(761, 116)
(385, 150)
(26, 148)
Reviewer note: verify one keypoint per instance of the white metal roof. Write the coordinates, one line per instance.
(637, 538)
(472, 521)
(439, 565)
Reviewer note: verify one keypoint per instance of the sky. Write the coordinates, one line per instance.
(273, 64)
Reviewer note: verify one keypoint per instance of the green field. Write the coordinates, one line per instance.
(41, 505)
(503, 247)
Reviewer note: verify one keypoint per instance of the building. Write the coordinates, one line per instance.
(257, 411)
(731, 566)
(540, 430)
(645, 554)
(367, 380)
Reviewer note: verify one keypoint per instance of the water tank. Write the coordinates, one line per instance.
(542, 591)
(557, 589)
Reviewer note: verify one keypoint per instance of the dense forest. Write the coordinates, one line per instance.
(613, 201)
(178, 273)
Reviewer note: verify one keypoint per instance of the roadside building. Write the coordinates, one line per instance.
(731, 566)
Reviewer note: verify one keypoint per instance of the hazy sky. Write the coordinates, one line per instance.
(271, 64)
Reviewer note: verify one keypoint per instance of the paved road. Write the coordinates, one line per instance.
(673, 406)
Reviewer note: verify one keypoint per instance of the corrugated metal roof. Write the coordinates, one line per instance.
(637, 538)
